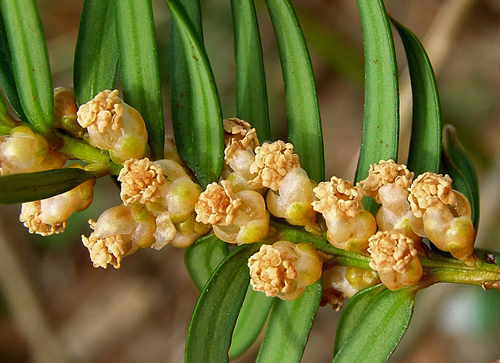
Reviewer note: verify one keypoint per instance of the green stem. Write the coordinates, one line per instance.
(78, 149)
(352, 262)
(437, 268)
(297, 235)
(431, 262)
(487, 279)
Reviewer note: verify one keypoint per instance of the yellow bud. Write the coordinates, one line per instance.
(340, 282)
(238, 182)
(129, 146)
(395, 259)
(182, 195)
(115, 126)
(251, 223)
(171, 169)
(284, 269)
(293, 200)
(65, 110)
(272, 162)
(351, 233)
(119, 232)
(360, 278)
(461, 239)
(349, 225)
(49, 216)
(188, 231)
(23, 151)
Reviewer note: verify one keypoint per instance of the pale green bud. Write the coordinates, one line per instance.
(23, 151)
(293, 200)
(49, 216)
(340, 282)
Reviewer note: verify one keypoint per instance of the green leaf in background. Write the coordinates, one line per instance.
(30, 62)
(203, 257)
(215, 314)
(208, 133)
(380, 328)
(180, 85)
(303, 117)
(338, 53)
(7, 81)
(27, 187)
(459, 167)
(96, 52)
(251, 92)
(425, 144)
(353, 312)
(288, 327)
(139, 74)
(379, 140)
(251, 320)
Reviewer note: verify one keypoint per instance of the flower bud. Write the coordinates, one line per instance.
(141, 181)
(236, 217)
(168, 194)
(65, 110)
(386, 173)
(284, 269)
(119, 232)
(49, 216)
(181, 197)
(115, 126)
(236, 130)
(272, 162)
(240, 140)
(217, 204)
(395, 259)
(293, 200)
(349, 225)
(445, 214)
(163, 186)
(188, 231)
(388, 184)
(340, 282)
(24, 151)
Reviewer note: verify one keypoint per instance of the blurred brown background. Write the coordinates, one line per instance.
(56, 307)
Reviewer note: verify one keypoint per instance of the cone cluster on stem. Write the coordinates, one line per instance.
(163, 204)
